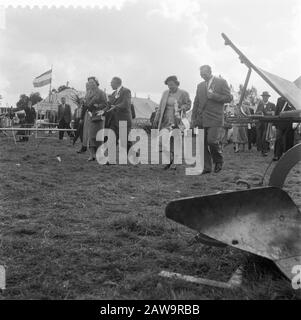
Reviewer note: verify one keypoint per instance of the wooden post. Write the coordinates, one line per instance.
(242, 96)
(37, 117)
(50, 83)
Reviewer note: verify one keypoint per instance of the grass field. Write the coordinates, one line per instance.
(78, 230)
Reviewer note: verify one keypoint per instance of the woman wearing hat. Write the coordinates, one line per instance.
(95, 101)
(174, 101)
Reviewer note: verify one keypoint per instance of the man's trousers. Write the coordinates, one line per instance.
(212, 147)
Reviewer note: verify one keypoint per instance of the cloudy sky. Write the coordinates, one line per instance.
(144, 41)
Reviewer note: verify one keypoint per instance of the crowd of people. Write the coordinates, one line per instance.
(265, 136)
(97, 110)
(24, 118)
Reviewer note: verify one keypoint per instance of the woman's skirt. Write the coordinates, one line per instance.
(94, 127)
(87, 121)
(240, 134)
(168, 119)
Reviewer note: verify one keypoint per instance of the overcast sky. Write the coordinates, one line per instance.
(145, 41)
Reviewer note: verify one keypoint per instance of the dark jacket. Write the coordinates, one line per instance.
(133, 111)
(264, 109)
(98, 98)
(30, 115)
(282, 105)
(122, 102)
(210, 112)
(152, 117)
(64, 114)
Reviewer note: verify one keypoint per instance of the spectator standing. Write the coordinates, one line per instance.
(120, 103)
(96, 102)
(64, 118)
(78, 125)
(174, 102)
(264, 108)
(208, 114)
(284, 131)
(240, 130)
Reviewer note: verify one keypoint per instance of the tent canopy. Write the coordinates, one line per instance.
(143, 107)
(52, 102)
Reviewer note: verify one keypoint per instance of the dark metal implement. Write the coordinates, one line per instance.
(264, 221)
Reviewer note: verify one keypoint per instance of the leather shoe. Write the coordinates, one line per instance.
(275, 158)
(82, 150)
(264, 154)
(218, 167)
(206, 171)
(169, 166)
(110, 164)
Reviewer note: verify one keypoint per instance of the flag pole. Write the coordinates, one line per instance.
(50, 84)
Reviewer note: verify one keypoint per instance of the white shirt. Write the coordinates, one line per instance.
(117, 92)
(210, 82)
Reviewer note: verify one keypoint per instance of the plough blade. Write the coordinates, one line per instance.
(264, 221)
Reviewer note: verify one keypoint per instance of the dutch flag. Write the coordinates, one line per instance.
(43, 79)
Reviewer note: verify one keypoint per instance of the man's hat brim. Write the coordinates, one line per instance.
(265, 94)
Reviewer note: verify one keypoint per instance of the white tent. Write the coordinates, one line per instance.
(52, 102)
(143, 107)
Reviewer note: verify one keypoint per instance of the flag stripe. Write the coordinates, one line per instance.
(41, 83)
(43, 79)
(47, 76)
(44, 74)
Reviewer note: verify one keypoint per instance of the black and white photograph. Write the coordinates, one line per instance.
(150, 151)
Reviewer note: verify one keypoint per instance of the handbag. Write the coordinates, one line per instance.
(182, 122)
(98, 114)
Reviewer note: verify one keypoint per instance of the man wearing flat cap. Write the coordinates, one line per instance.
(264, 108)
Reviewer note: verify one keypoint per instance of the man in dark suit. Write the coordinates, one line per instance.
(208, 114)
(284, 130)
(153, 116)
(30, 114)
(64, 118)
(30, 117)
(120, 102)
(265, 108)
(133, 111)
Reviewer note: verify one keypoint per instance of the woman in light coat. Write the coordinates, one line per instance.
(174, 104)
